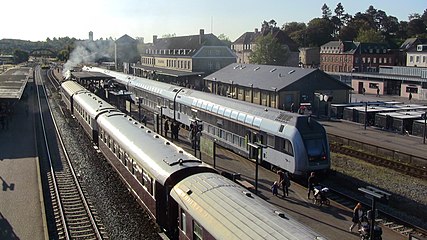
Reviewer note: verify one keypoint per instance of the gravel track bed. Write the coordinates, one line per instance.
(122, 216)
(409, 194)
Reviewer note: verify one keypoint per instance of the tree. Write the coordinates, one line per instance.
(224, 39)
(369, 36)
(269, 27)
(326, 11)
(296, 31)
(269, 51)
(424, 17)
(347, 33)
(63, 55)
(319, 31)
(291, 27)
(20, 56)
(416, 27)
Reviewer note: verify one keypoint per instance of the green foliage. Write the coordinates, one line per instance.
(224, 39)
(20, 56)
(369, 36)
(319, 31)
(63, 55)
(269, 51)
(326, 11)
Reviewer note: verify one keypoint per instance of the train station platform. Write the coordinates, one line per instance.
(22, 213)
(332, 222)
(397, 142)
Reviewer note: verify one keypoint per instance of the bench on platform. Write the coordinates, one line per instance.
(245, 184)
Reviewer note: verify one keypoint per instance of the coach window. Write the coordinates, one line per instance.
(287, 148)
(270, 140)
(148, 182)
(197, 231)
(183, 223)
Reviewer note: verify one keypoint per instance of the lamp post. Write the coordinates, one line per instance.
(174, 103)
(425, 123)
(214, 86)
(374, 194)
(252, 92)
(275, 97)
(139, 109)
(366, 114)
(231, 89)
(214, 153)
(161, 119)
(259, 147)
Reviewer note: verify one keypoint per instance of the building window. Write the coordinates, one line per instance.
(424, 59)
(385, 60)
(373, 85)
(364, 60)
(411, 59)
(374, 59)
(417, 59)
(197, 231)
(411, 89)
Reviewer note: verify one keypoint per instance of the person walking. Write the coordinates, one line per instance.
(378, 92)
(357, 216)
(312, 181)
(286, 183)
(410, 97)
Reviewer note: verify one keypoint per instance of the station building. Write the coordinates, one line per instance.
(280, 87)
(183, 60)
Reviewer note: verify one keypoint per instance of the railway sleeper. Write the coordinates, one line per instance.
(396, 227)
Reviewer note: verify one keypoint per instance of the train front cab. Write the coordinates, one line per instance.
(316, 146)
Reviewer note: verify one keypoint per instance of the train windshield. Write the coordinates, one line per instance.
(316, 149)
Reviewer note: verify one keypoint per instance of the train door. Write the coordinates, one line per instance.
(254, 137)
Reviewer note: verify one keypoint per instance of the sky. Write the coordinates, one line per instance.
(38, 20)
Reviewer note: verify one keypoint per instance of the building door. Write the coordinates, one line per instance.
(360, 88)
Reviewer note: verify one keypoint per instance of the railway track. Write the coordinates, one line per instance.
(405, 168)
(75, 216)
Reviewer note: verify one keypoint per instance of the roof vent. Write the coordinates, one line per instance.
(148, 131)
(272, 70)
(156, 136)
(257, 68)
(248, 194)
(280, 214)
(235, 67)
(292, 71)
(167, 143)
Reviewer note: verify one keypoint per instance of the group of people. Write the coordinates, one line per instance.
(283, 181)
(174, 127)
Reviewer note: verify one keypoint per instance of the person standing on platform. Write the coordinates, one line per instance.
(357, 216)
(312, 181)
(286, 183)
(410, 97)
(166, 127)
(378, 92)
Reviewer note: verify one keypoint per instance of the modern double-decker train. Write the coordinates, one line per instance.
(187, 198)
(293, 142)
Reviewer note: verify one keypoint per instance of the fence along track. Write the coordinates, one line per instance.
(73, 215)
